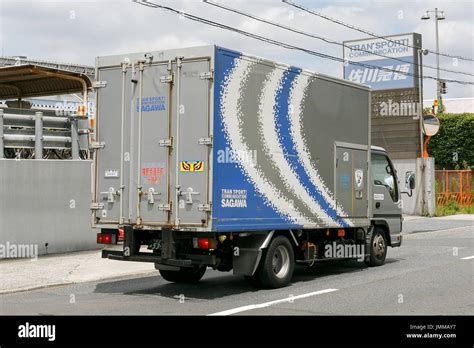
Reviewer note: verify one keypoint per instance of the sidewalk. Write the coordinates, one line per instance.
(414, 224)
(60, 269)
(458, 217)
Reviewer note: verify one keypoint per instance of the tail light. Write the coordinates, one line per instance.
(204, 243)
(106, 238)
(120, 234)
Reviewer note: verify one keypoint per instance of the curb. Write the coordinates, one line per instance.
(38, 287)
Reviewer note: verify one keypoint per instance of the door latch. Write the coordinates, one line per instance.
(152, 194)
(189, 195)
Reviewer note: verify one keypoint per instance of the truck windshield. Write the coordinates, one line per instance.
(383, 174)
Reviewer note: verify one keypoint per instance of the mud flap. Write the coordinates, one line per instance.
(247, 261)
(368, 239)
(248, 253)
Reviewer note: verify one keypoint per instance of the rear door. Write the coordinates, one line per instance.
(351, 180)
(112, 163)
(151, 134)
(193, 142)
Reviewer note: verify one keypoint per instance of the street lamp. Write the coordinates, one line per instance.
(439, 16)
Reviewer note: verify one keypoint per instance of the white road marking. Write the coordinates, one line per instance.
(468, 258)
(271, 303)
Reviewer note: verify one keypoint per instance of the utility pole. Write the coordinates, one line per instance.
(438, 16)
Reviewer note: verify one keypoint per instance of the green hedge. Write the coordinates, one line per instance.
(456, 134)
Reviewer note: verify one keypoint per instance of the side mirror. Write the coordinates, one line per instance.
(409, 183)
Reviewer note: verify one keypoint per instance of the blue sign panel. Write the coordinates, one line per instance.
(396, 74)
(383, 63)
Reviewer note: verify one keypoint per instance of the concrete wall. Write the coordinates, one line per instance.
(46, 201)
(403, 167)
(425, 185)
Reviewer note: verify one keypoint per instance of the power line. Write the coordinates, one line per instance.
(353, 27)
(297, 31)
(279, 43)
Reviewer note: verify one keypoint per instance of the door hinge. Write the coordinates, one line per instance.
(99, 84)
(205, 141)
(165, 142)
(97, 206)
(166, 79)
(164, 207)
(95, 145)
(204, 207)
(207, 75)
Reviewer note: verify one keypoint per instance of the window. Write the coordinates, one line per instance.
(383, 175)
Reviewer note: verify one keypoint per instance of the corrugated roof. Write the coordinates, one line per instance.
(35, 81)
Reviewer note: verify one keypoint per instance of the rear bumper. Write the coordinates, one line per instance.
(188, 261)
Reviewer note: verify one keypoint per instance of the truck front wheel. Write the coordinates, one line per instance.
(184, 275)
(277, 264)
(378, 248)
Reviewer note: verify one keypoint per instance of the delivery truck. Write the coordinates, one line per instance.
(210, 158)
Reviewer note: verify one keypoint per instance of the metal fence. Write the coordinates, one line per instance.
(27, 134)
(454, 186)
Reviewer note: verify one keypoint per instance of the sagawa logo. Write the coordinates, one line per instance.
(151, 104)
(344, 251)
(37, 331)
(18, 251)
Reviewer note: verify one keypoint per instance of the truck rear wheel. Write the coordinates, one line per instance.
(277, 264)
(378, 248)
(184, 275)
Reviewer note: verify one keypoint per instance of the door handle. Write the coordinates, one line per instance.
(377, 205)
(151, 195)
(110, 193)
(189, 195)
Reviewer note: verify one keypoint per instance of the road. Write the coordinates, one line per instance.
(432, 273)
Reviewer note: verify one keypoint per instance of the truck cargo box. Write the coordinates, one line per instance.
(209, 139)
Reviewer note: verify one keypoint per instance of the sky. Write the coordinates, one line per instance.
(79, 31)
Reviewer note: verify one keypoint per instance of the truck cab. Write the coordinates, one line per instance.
(386, 202)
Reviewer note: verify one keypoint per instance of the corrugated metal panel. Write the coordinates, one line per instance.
(398, 134)
(32, 80)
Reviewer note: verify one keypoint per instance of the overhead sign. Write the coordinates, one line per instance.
(382, 64)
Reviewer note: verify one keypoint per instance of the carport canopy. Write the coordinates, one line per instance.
(24, 81)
